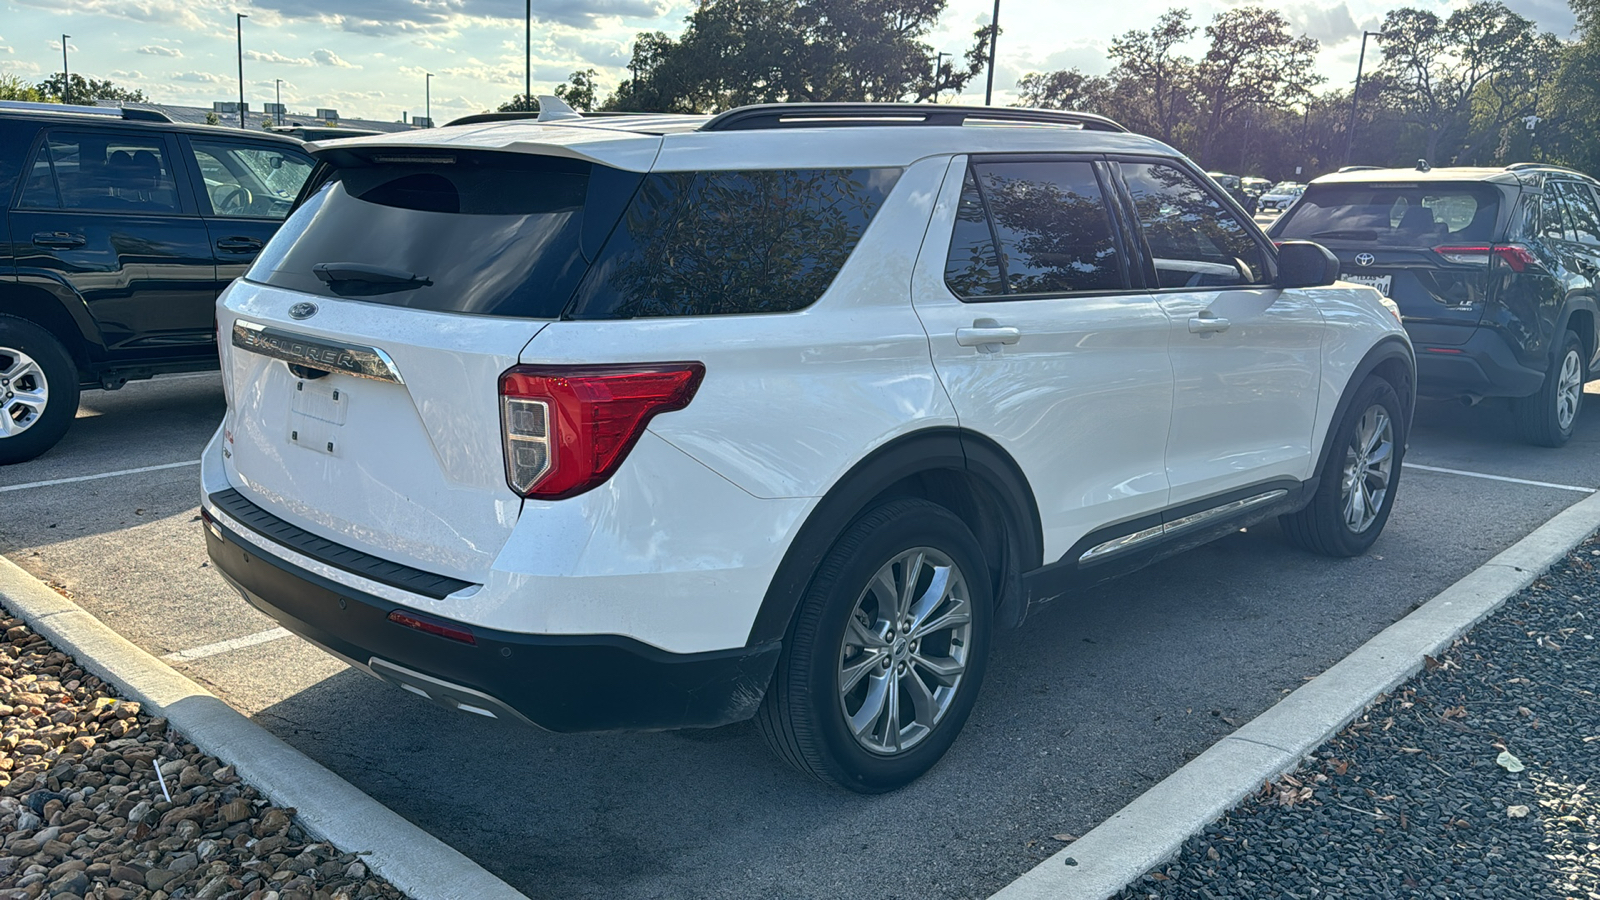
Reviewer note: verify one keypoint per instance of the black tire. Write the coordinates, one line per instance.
(804, 715)
(1545, 418)
(35, 431)
(1324, 526)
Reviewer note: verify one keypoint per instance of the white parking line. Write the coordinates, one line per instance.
(1546, 484)
(38, 484)
(238, 643)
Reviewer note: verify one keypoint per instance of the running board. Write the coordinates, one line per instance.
(1168, 529)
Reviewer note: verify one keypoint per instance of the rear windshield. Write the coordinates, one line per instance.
(490, 234)
(512, 235)
(1393, 215)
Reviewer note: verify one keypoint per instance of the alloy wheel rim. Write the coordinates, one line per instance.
(905, 651)
(1368, 469)
(1569, 390)
(24, 392)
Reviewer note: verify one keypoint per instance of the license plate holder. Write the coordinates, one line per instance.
(1381, 282)
(317, 414)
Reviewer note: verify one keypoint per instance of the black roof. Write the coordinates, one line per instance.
(90, 116)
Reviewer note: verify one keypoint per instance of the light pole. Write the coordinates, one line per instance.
(427, 98)
(938, 72)
(238, 28)
(66, 77)
(1350, 131)
(277, 86)
(994, 35)
(527, 55)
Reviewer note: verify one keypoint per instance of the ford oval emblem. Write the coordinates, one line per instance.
(302, 310)
(1362, 259)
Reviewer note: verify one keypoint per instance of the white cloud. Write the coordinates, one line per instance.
(199, 77)
(276, 58)
(330, 58)
(165, 14)
(158, 50)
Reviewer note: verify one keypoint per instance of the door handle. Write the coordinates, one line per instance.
(987, 335)
(1208, 322)
(239, 245)
(59, 240)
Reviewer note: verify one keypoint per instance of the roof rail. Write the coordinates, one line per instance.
(131, 113)
(1343, 169)
(828, 115)
(1524, 166)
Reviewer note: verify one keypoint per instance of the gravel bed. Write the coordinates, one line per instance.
(1477, 779)
(83, 812)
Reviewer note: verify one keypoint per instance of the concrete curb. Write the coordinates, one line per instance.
(328, 806)
(1153, 828)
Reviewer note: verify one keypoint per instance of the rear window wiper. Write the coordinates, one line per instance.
(359, 278)
(1348, 234)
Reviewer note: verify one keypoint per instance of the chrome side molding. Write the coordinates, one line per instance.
(316, 353)
(1139, 538)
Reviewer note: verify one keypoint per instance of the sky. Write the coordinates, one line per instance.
(369, 58)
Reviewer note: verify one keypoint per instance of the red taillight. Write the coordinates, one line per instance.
(1514, 255)
(430, 625)
(568, 429)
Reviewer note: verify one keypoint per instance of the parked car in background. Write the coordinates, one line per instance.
(1494, 271)
(759, 416)
(121, 229)
(1279, 198)
(1234, 185)
(1254, 186)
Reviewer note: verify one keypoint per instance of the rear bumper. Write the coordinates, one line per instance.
(1482, 365)
(563, 683)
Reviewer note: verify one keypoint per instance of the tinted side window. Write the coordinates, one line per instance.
(1194, 240)
(1053, 227)
(111, 172)
(1553, 224)
(722, 243)
(972, 267)
(39, 186)
(1580, 206)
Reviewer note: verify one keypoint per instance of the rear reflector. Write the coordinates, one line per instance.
(568, 429)
(430, 625)
(1443, 350)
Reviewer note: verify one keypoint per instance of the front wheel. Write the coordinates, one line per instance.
(38, 390)
(884, 659)
(1549, 416)
(1359, 478)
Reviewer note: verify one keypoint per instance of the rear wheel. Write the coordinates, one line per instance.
(886, 654)
(1356, 491)
(1549, 416)
(38, 390)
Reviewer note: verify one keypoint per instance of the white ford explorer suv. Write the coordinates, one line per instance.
(658, 422)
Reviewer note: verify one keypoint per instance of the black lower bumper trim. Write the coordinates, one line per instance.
(1482, 365)
(563, 683)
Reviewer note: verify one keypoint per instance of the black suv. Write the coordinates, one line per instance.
(121, 228)
(1495, 272)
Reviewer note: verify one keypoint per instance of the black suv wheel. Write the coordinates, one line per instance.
(887, 652)
(38, 390)
(1548, 417)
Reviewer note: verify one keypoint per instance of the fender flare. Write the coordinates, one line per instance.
(1391, 347)
(1591, 340)
(927, 451)
(57, 308)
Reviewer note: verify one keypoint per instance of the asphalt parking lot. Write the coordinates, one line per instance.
(1091, 703)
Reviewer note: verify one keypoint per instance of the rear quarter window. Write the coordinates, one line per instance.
(731, 243)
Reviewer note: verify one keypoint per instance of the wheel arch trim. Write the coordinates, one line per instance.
(927, 451)
(1392, 348)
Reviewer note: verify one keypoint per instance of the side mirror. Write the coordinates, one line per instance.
(277, 162)
(1305, 264)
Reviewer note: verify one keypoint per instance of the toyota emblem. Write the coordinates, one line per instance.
(307, 310)
(1362, 259)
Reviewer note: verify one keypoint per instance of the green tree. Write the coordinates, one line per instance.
(1436, 71)
(735, 52)
(86, 90)
(1254, 61)
(1155, 84)
(13, 87)
(1066, 89)
(520, 103)
(578, 90)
